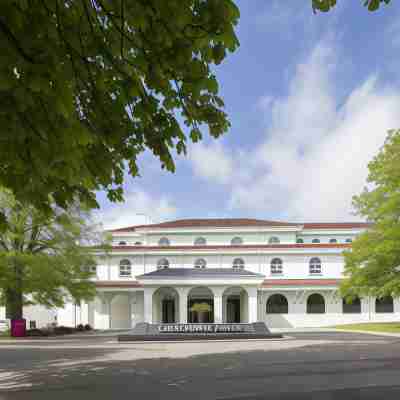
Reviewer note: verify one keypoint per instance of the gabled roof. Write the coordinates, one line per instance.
(336, 225)
(230, 273)
(209, 223)
(241, 223)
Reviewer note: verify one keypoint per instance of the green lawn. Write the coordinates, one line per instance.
(392, 327)
(5, 335)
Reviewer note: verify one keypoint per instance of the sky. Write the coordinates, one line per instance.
(310, 99)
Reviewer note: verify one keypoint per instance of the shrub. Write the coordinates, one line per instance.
(63, 330)
(88, 327)
(37, 332)
(80, 328)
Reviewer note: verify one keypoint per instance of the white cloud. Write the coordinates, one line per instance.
(139, 208)
(211, 162)
(316, 149)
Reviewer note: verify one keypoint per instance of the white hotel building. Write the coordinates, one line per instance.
(247, 270)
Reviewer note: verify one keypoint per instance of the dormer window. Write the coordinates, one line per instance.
(299, 240)
(122, 243)
(163, 264)
(125, 268)
(237, 241)
(315, 241)
(238, 264)
(200, 241)
(163, 242)
(273, 240)
(200, 263)
(315, 266)
(276, 266)
(332, 240)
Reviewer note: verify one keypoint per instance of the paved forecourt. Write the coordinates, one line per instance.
(306, 365)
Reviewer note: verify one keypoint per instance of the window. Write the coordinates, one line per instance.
(122, 243)
(200, 241)
(163, 241)
(315, 304)
(138, 243)
(163, 264)
(238, 263)
(125, 268)
(276, 266)
(352, 307)
(273, 239)
(349, 240)
(315, 266)
(200, 263)
(277, 304)
(299, 240)
(332, 240)
(236, 241)
(384, 305)
(315, 241)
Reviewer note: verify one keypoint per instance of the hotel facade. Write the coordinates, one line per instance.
(235, 270)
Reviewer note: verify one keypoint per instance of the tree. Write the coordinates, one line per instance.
(86, 86)
(44, 259)
(373, 265)
(327, 5)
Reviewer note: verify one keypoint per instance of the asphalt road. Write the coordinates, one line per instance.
(306, 366)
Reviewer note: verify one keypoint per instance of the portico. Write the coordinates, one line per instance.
(191, 295)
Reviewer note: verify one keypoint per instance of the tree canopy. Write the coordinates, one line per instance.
(86, 86)
(45, 259)
(373, 265)
(327, 5)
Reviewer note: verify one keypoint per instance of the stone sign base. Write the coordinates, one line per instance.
(177, 332)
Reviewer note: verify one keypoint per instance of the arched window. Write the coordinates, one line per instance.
(384, 305)
(277, 304)
(200, 241)
(332, 240)
(315, 304)
(315, 266)
(238, 263)
(125, 268)
(163, 242)
(349, 240)
(163, 264)
(315, 241)
(276, 266)
(200, 263)
(122, 243)
(138, 243)
(236, 241)
(299, 240)
(352, 307)
(273, 240)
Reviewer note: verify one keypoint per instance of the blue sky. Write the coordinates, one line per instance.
(310, 99)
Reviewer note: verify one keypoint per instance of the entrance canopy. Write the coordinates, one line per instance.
(196, 276)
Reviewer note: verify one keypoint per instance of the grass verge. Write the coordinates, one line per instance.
(390, 327)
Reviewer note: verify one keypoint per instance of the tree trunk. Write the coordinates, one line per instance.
(14, 304)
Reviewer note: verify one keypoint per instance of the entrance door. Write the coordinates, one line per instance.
(233, 310)
(194, 317)
(168, 311)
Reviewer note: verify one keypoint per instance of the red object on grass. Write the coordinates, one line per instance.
(18, 327)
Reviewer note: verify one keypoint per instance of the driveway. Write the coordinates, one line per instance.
(323, 365)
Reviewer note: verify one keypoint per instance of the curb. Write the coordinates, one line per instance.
(388, 334)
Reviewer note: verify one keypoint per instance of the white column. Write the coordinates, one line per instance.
(148, 305)
(252, 305)
(84, 312)
(183, 304)
(218, 305)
